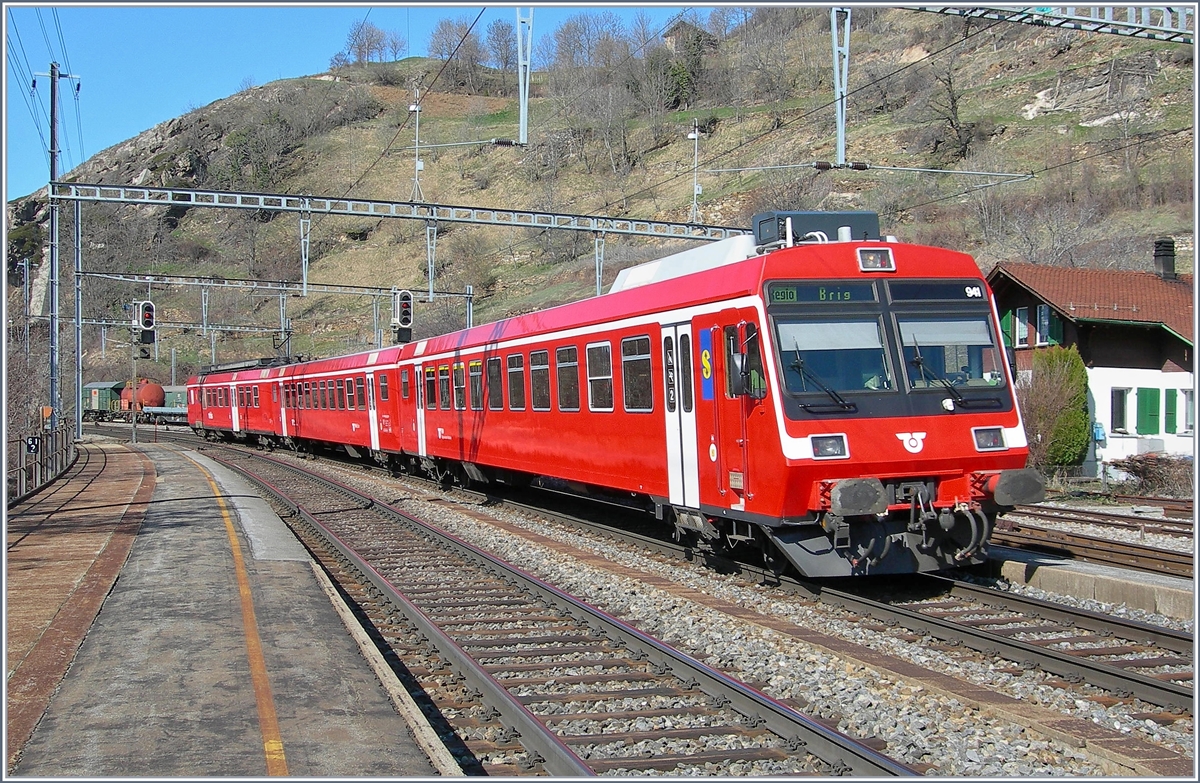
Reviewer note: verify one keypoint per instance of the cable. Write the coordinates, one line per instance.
(754, 140)
(67, 60)
(404, 124)
(25, 96)
(1102, 153)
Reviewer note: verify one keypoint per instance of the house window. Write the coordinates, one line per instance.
(1147, 411)
(1120, 399)
(1021, 325)
(1043, 324)
(1189, 410)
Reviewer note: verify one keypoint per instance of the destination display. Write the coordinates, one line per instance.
(828, 293)
(967, 290)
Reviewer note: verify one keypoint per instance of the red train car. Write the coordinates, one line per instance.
(845, 403)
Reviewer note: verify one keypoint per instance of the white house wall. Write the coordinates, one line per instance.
(1116, 445)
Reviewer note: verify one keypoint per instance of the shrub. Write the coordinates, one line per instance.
(1054, 405)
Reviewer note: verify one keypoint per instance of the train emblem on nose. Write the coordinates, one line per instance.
(913, 441)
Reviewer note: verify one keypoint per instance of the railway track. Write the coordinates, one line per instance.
(1127, 659)
(1163, 525)
(532, 680)
(1180, 508)
(1080, 534)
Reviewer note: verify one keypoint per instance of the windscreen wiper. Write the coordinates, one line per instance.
(838, 400)
(927, 372)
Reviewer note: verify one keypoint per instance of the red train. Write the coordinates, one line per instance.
(834, 397)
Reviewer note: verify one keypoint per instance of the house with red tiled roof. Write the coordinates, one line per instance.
(1134, 331)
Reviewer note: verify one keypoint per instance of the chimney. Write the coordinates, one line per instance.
(1164, 258)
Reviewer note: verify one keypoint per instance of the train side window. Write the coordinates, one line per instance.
(754, 365)
(600, 383)
(361, 393)
(635, 374)
(341, 394)
(460, 387)
(567, 371)
(327, 400)
(495, 383)
(383, 390)
(350, 394)
(685, 371)
(731, 347)
(274, 393)
(308, 396)
(404, 390)
(516, 382)
(444, 386)
(476, 368)
(669, 370)
(539, 380)
(255, 394)
(430, 388)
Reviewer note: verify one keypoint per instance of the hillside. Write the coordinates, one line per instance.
(1103, 122)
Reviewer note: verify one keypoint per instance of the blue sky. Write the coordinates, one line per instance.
(143, 64)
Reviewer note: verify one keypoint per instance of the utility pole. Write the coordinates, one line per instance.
(415, 108)
(524, 56)
(55, 391)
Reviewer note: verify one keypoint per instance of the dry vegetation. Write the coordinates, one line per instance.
(1104, 122)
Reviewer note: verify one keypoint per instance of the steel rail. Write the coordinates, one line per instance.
(843, 753)
(1163, 693)
(1098, 550)
(557, 757)
(1133, 630)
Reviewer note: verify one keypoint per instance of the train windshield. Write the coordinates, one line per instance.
(837, 355)
(957, 352)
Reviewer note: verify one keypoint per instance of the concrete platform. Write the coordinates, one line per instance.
(177, 678)
(1159, 593)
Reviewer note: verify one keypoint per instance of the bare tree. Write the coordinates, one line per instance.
(365, 42)
(453, 42)
(502, 47)
(396, 44)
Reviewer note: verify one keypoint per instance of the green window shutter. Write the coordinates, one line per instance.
(1169, 410)
(1147, 411)
(1056, 329)
(1006, 328)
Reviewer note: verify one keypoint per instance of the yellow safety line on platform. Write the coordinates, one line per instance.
(267, 722)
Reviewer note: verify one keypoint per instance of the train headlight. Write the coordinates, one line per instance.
(876, 259)
(829, 446)
(989, 438)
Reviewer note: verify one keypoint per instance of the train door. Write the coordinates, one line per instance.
(739, 384)
(425, 399)
(235, 419)
(683, 470)
(372, 413)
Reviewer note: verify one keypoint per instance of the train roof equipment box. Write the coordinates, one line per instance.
(770, 228)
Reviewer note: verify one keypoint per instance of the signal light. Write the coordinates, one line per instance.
(404, 316)
(146, 315)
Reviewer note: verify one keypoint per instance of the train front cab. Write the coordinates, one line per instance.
(845, 449)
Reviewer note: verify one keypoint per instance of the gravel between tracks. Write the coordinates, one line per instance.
(919, 726)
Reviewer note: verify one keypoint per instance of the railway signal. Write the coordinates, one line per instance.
(146, 315)
(404, 314)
